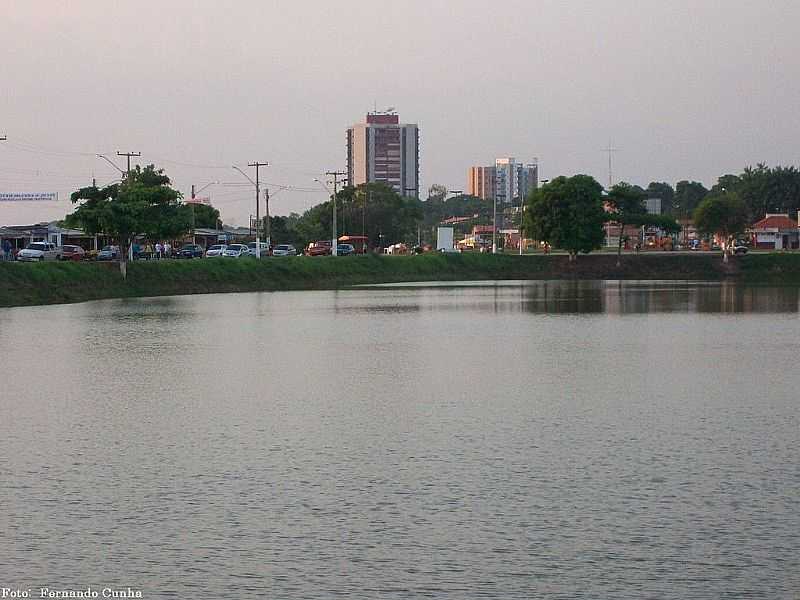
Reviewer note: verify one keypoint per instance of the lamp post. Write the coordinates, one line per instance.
(193, 202)
(258, 193)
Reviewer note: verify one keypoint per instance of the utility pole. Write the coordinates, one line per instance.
(610, 151)
(335, 241)
(194, 241)
(267, 224)
(494, 226)
(128, 155)
(258, 194)
(127, 175)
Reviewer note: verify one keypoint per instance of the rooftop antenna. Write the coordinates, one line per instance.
(610, 151)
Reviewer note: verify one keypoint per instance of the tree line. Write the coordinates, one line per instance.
(570, 212)
(762, 189)
(567, 212)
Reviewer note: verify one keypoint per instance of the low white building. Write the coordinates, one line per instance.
(776, 232)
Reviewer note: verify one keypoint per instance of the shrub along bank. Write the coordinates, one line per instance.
(51, 283)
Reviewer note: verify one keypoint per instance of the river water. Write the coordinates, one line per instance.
(489, 440)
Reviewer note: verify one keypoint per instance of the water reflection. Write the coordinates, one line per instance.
(586, 297)
(491, 440)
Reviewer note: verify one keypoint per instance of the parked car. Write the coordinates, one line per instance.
(345, 249)
(235, 251)
(251, 249)
(319, 248)
(37, 251)
(216, 250)
(284, 250)
(190, 251)
(75, 253)
(740, 248)
(108, 253)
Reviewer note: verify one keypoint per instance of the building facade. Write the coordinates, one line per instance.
(481, 182)
(383, 149)
(507, 181)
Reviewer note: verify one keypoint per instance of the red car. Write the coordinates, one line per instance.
(73, 253)
(320, 248)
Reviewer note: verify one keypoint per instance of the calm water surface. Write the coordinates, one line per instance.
(548, 439)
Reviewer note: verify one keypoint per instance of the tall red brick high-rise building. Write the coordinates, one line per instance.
(383, 149)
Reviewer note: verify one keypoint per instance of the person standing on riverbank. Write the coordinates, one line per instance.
(6, 250)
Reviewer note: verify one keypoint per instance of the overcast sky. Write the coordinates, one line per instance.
(685, 90)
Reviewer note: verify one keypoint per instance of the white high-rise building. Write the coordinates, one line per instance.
(513, 180)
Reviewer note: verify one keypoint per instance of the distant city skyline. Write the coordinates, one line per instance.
(683, 90)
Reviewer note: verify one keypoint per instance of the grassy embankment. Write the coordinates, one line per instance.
(51, 283)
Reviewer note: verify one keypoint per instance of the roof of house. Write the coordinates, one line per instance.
(779, 222)
(478, 229)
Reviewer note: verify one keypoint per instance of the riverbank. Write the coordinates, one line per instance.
(53, 283)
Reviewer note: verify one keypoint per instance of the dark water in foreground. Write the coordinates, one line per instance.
(548, 439)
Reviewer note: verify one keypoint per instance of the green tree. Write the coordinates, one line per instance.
(627, 208)
(626, 204)
(724, 215)
(769, 190)
(383, 215)
(143, 204)
(204, 215)
(567, 213)
(663, 191)
(437, 192)
(688, 195)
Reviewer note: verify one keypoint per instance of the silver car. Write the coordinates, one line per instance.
(235, 251)
(39, 251)
(251, 249)
(216, 250)
(284, 250)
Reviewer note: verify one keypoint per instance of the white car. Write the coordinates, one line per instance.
(38, 251)
(251, 249)
(216, 250)
(235, 251)
(284, 250)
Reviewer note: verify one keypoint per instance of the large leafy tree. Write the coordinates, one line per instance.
(626, 207)
(626, 204)
(437, 192)
(143, 204)
(567, 213)
(664, 191)
(769, 190)
(204, 215)
(722, 214)
(688, 195)
(374, 208)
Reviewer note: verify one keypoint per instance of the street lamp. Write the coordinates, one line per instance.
(192, 203)
(109, 161)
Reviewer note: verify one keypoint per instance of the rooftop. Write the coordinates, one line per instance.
(780, 222)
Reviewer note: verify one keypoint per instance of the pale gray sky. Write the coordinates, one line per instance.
(684, 89)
